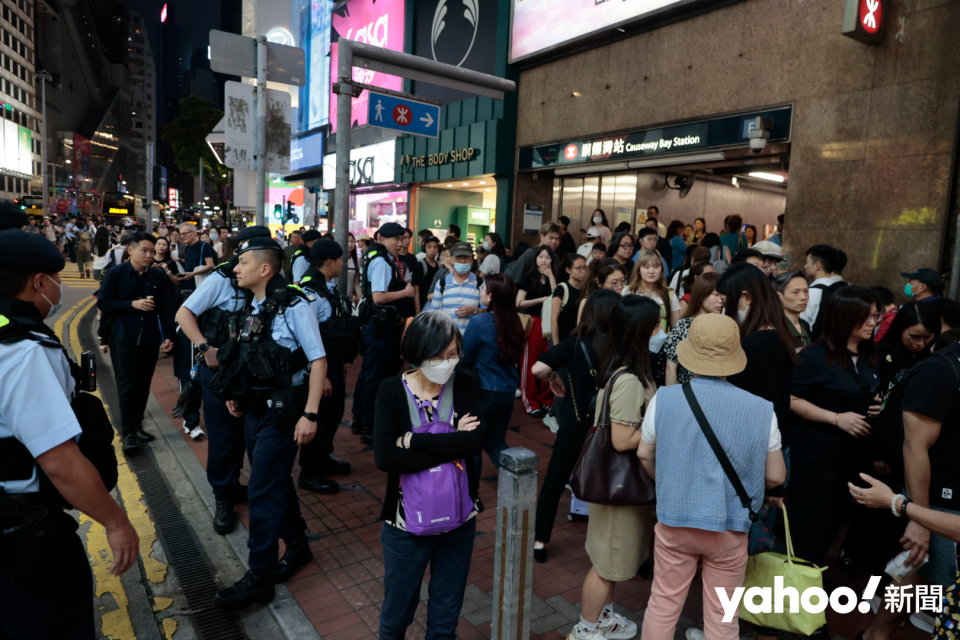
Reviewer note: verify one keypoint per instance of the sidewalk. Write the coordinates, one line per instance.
(341, 591)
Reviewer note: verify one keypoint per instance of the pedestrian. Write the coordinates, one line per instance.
(493, 346)
(496, 260)
(599, 224)
(279, 414)
(749, 256)
(428, 423)
(300, 257)
(458, 295)
(620, 248)
(924, 285)
(689, 282)
(354, 290)
(70, 233)
(720, 256)
(708, 524)
(832, 398)
(734, 240)
(291, 251)
(794, 295)
(699, 231)
(567, 244)
(523, 259)
(750, 232)
(444, 269)
(317, 459)
(695, 255)
(387, 303)
(535, 288)
(204, 318)
(677, 245)
(823, 269)
(100, 251)
(141, 311)
(606, 273)
(907, 341)
(425, 271)
(648, 281)
(704, 298)
(163, 261)
(889, 309)
(406, 261)
(454, 232)
(198, 259)
(11, 216)
(566, 297)
(32, 226)
(570, 368)
(83, 255)
(772, 257)
(619, 537)
(41, 464)
(49, 231)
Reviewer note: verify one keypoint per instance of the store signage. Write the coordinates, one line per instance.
(173, 199)
(863, 20)
(540, 25)
(372, 164)
(118, 211)
(409, 163)
(306, 152)
(728, 131)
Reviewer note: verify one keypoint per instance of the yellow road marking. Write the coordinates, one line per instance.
(169, 628)
(116, 624)
(160, 603)
(61, 321)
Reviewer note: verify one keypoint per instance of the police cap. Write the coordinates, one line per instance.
(311, 235)
(257, 231)
(391, 230)
(30, 252)
(326, 250)
(254, 244)
(12, 217)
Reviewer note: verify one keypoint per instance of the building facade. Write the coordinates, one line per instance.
(143, 102)
(20, 95)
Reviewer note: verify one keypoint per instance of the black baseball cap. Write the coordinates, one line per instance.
(928, 277)
(29, 252)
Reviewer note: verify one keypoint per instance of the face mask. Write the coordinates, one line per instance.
(908, 290)
(486, 246)
(657, 340)
(742, 315)
(597, 219)
(439, 373)
(214, 237)
(461, 268)
(54, 308)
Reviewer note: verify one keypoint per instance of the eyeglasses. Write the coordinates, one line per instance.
(436, 362)
(876, 317)
(583, 268)
(626, 246)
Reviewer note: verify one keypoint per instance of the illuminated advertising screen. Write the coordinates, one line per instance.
(539, 25)
(310, 21)
(306, 152)
(378, 23)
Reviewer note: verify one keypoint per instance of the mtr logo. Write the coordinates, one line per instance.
(571, 152)
(871, 15)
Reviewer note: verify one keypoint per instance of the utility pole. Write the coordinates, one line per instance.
(260, 143)
(43, 76)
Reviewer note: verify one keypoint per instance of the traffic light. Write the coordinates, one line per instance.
(289, 217)
(278, 212)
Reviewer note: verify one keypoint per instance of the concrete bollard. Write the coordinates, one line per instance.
(513, 563)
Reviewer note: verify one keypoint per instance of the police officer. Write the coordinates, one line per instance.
(205, 319)
(301, 260)
(388, 300)
(271, 373)
(40, 553)
(334, 316)
(11, 216)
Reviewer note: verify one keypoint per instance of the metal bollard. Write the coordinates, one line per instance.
(513, 563)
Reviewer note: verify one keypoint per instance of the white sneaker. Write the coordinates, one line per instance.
(922, 621)
(616, 627)
(517, 395)
(186, 429)
(551, 423)
(197, 432)
(579, 634)
(697, 634)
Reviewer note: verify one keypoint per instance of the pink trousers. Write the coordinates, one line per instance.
(676, 552)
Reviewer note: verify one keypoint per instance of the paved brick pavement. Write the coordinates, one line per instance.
(342, 589)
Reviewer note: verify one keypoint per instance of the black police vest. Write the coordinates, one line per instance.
(216, 323)
(251, 358)
(340, 332)
(404, 306)
(20, 320)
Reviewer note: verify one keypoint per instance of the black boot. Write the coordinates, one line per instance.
(130, 443)
(297, 554)
(253, 588)
(318, 484)
(355, 426)
(143, 436)
(224, 520)
(366, 435)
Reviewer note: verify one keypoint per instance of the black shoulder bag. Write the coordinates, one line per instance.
(586, 420)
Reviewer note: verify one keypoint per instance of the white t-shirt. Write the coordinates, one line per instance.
(649, 429)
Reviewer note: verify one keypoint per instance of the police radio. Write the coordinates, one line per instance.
(88, 372)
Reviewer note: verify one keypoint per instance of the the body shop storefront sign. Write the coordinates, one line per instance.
(716, 133)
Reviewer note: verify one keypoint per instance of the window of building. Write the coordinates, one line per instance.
(6, 12)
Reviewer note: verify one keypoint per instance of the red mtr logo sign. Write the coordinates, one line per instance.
(863, 20)
(571, 152)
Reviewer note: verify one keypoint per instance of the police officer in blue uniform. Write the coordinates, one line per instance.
(205, 319)
(301, 257)
(387, 302)
(46, 587)
(271, 373)
(341, 340)
(11, 216)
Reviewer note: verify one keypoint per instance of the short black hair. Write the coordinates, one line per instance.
(646, 231)
(599, 246)
(832, 260)
(744, 254)
(13, 281)
(949, 312)
(655, 209)
(296, 232)
(270, 257)
(885, 295)
(424, 234)
(565, 221)
(141, 236)
(428, 336)
(454, 230)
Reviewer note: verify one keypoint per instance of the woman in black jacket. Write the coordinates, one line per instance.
(433, 343)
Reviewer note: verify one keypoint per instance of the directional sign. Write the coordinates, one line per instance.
(403, 114)
(237, 55)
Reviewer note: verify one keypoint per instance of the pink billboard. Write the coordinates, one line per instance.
(375, 22)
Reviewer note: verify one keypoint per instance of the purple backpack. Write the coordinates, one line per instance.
(435, 500)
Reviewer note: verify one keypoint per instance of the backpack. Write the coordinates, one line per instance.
(546, 311)
(341, 333)
(828, 291)
(435, 500)
(720, 264)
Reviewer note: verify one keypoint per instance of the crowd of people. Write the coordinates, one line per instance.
(818, 393)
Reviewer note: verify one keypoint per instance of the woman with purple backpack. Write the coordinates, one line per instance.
(427, 430)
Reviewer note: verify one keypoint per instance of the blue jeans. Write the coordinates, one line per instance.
(405, 558)
(497, 407)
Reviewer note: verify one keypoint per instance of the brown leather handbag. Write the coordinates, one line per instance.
(604, 475)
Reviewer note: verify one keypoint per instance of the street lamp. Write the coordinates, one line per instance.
(44, 76)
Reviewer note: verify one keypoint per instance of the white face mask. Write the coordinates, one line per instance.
(597, 219)
(657, 340)
(53, 307)
(439, 373)
(742, 315)
(214, 237)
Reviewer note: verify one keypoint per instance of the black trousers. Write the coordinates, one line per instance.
(133, 368)
(316, 453)
(381, 360)
(61, 605)
(566, 450)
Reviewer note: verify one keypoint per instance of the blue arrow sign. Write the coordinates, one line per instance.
(403, 114)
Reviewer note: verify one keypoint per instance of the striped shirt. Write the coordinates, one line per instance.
(457, 295)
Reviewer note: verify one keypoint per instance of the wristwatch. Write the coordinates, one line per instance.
(312, 417)
(203, 347)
